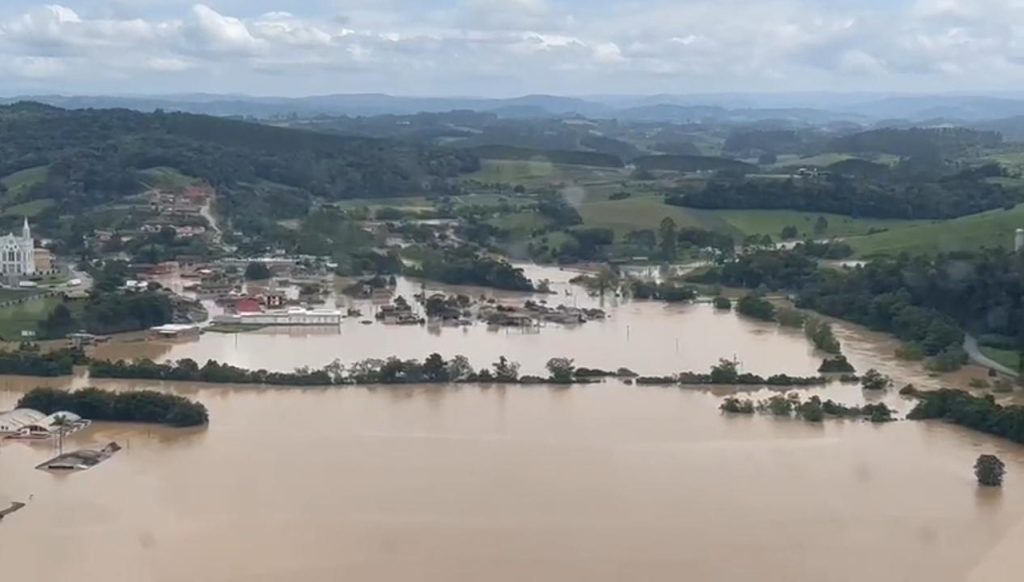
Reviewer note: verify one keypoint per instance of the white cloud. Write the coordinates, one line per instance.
(34, 67)
(212, 31)
(482, 46)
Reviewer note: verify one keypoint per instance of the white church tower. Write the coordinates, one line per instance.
(17, 254)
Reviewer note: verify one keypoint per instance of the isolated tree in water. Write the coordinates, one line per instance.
(506, 371)
(875, 380)
(989, 470)
(561, 370)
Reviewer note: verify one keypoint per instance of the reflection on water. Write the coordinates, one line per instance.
(605, 482)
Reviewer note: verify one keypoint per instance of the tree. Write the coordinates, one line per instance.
(506, 371)
(256, 271)
(875, 380)
(989, 470)
(561, 370)
(59, 323)
(723, 303)
(725, 372)
(668, 234)
(435, 368)
(459, 368)
(753, 306)
(789, 232)
(820, 225)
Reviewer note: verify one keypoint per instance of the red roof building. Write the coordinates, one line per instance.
(248, 305)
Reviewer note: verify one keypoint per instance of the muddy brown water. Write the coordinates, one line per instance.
(604, 482)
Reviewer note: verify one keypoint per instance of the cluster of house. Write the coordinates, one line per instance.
(273, 309)
(186, 203)
(29, 424)
(179, 211)
(398, 313)
(532, 314)
(812, 173)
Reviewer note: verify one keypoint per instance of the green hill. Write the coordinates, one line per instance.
(987, 229)
(564, 157)
(85, 159)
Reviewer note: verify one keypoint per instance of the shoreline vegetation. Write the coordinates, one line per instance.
(145, 406)
(979, 413)
(811, 410)
(435, 369)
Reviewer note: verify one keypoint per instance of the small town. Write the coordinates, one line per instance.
(505, 290)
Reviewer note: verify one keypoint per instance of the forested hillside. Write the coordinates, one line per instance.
(924, 142)
(94, 156)
(967, 192)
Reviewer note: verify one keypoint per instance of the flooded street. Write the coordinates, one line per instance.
(606, 482)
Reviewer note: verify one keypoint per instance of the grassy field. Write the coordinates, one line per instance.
(166, 178)
(520, 222)
(418, 202)
(642, 212)
(646, 212)
(30, 209)
(1008, 358)
(988, 229)
(18, 182)
(771, 222)
(411, 202)
(25, 316)
(537, 173)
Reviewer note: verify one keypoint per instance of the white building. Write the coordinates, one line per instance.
(17, 254)
(295, 316)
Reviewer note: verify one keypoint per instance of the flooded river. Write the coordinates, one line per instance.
(466, 483)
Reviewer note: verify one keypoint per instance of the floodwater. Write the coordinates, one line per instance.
(605, 482)
(650, 338)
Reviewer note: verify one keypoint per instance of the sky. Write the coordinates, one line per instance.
(498, 48)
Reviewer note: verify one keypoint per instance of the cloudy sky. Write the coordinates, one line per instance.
(509, 47)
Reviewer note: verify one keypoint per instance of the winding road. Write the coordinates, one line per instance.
(974, 353)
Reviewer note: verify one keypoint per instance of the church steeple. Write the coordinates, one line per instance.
(26, 232)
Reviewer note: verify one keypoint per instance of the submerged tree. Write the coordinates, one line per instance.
(875, 380)
(561, 370)
(506, 371)
(989, 470)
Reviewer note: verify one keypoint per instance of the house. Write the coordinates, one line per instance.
(44, 261)
(274, 300)
(175, 330)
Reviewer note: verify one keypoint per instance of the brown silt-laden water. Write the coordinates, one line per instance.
(464, 483)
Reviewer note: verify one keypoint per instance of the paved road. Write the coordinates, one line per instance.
(207, 212)
(974, 353)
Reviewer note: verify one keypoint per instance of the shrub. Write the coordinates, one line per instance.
(723, 303)
(875, 380)
(911, 352)
(989, 470)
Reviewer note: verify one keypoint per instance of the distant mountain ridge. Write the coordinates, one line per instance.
(812, 109)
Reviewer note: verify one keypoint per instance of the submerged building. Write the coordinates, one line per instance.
(296, 316)
(25, 423)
